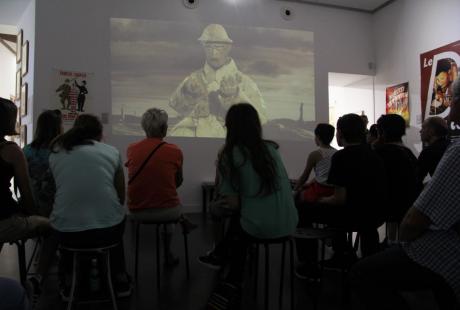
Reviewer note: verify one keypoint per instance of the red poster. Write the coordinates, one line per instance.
(439, 68)
(397, 100)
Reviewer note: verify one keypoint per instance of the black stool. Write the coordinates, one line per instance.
(105, 251)
(266, 243)
(158, 226)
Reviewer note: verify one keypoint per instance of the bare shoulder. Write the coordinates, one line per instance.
(11, 152)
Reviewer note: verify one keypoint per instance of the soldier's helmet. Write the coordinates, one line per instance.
(67, 81)
(214, 33)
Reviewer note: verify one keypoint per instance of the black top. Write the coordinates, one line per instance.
(8, 205)
(360, 171)
(402, 183)
(429, 158)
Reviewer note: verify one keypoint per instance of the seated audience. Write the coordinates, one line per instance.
(434, 137)
(253, 181)
(428, 258)
(400, 167)
(17, 221)
(358, 177)
(90, 192)
(155, 173)
(372, 136)
(319, 161)
(49, 126)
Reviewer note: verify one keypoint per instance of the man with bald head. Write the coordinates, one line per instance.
(203, 98)
(434, 137)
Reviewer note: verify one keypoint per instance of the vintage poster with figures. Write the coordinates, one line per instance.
(439, 69)
(397, 101)
(72, 93)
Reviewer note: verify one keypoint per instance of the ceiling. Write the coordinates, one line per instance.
(12, 10)
(369, 6)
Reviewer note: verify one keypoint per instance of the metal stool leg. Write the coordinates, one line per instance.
(256, 269)
(74, 281)
(267, 276)
(158, 259)
(283, 254)
(109, 279)
(136, 251)
(291, 258)
(187, 262)
(22, 261)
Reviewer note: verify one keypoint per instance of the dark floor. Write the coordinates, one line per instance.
(179, 293)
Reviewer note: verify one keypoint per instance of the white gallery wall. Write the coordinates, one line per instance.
(75, 35)
(402, 31)
(7, 72)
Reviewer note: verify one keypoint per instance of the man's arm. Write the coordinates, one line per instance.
(179, 177)
(414, 224)
(338, 198)
(119, 183)
(312, 160)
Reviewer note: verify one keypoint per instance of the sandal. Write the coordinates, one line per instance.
(225, 296)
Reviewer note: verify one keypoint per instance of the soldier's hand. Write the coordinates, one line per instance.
(229, 86)
(193, 88)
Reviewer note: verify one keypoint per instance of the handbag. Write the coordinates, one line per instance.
(145, 162)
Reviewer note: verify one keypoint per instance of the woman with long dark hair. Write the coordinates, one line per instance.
(88, 207)
(49, 126)
(252, 180)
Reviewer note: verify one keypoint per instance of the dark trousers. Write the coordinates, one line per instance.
(234, 247)
(92, 239)
(339, 217)
(378, 280)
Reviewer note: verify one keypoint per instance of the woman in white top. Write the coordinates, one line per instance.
(319, 161)
(90, 192)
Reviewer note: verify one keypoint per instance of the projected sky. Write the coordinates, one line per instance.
(196, 71)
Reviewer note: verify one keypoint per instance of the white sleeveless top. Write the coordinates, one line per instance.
(322, 167)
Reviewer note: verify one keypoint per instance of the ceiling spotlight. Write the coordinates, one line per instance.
(287, 13)
(190, 4)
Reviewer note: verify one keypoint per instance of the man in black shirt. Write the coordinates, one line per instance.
(400, 167)
(358, 177)
(434, 136)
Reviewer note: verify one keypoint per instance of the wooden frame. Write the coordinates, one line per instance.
(23, 136)
(24, 94)
(19, 46)
(25, 58)
(18, 84)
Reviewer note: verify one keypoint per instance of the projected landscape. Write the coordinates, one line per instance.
(197, 71)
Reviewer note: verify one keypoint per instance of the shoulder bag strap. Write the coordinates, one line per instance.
(145, 162)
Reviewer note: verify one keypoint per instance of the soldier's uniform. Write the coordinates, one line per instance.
(204, 107)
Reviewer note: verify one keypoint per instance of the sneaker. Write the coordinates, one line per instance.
(33, 288)
(64, 292)
(211, 260)
(187, 226)
(225, 296)
(123, 286)
(308, 271)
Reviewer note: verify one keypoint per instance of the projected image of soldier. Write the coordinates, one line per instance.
(203, 97)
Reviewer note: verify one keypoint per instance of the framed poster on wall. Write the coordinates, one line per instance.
(23, 136)
(397, 101)
(25, 58)
(18, 84)
(23, 106)
(19, 46)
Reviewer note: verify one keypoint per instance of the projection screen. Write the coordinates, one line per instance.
(195, 72)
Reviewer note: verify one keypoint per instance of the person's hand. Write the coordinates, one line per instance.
(229, 86)
(194, 88)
